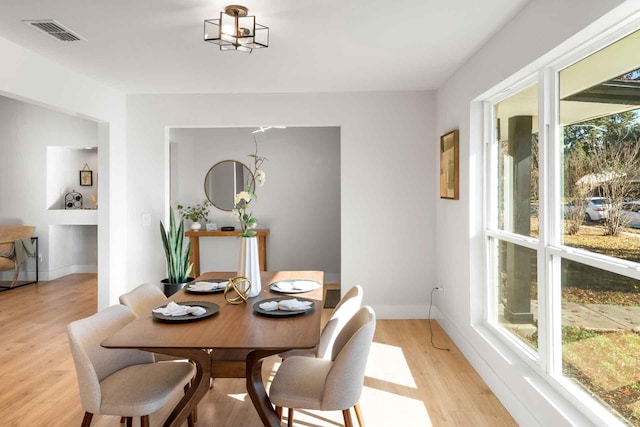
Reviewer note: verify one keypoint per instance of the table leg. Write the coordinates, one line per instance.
(199, 385)
(256, 389)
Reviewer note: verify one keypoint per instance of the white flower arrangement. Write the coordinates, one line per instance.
(243, 199)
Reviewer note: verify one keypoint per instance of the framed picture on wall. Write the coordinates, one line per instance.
(449, 165)
(86, 178)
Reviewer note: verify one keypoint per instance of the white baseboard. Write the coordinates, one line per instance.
(401, 311)
(64, 271)
(29, 276)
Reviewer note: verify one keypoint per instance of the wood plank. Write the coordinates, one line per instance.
(415, 385)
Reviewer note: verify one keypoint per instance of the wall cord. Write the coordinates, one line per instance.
(430, 328)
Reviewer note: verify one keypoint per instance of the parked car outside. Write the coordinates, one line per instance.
(631, 214)
(597, 208)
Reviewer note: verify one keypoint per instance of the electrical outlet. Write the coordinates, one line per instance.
(40, 258)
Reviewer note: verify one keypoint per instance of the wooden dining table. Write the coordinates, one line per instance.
(231, 343)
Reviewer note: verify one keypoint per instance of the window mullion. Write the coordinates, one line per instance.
(551, 304)
(545, 216)
(490, 205)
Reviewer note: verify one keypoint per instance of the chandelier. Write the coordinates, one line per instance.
(236, 31)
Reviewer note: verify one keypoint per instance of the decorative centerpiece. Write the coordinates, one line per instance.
(237, 291)
(248, 262)
(196, 213)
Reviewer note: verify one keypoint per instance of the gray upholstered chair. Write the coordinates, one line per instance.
(122, 382)
(348, 305)
(141, 300)
(328, 384)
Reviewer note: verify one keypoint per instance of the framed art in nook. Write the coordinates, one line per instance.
(449, 165)
(86, 178)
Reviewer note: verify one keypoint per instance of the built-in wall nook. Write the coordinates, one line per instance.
(72, 170)
(72, 185)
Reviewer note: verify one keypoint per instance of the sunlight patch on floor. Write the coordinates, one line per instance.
(381, 408)
(387, 363)
(238, 396)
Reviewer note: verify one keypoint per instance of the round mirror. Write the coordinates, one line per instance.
(224, 180)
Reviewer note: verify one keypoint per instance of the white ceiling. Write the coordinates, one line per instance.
(156, 46)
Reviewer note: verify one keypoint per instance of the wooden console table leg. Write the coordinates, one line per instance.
(194, 256)
(262, 252)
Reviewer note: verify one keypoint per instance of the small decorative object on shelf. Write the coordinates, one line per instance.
(86, 176)
(73, 200)
(240, 286)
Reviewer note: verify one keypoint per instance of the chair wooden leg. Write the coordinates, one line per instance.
(347, 418)
(211, 370)
(356, 407)
(86, 420)
(194, 414)
(279, 412)
(290, 421)
(122, 420)
(144, 421)
(190, 421)
(129, 421)
(15, 276)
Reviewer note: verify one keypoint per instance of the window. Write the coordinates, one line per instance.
(563, 225)
(515, 264)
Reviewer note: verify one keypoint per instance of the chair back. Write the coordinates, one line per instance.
(143, 299)
(349, 304)
(345, 379)
(11, 233)
(92, 361)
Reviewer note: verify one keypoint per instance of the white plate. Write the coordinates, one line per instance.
(189, 289)
(294, 286)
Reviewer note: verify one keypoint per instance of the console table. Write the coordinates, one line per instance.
(195, 236)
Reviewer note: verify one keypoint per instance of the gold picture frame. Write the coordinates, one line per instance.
(449, 166)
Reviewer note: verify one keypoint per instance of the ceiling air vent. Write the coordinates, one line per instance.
(55, 29)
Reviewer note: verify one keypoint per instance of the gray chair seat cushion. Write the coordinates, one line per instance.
(300, 383)
(149, 386)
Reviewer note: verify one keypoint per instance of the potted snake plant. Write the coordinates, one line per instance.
(178, 265)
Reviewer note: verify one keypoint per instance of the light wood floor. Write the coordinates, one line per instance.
(408, 382)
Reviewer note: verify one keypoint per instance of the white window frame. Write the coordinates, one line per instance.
(492, 232)
(547, 362)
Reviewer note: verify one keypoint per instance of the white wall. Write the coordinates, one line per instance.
(299, 204)
(387, 147)
(29, 77)
(539, 28)
(27, 132)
